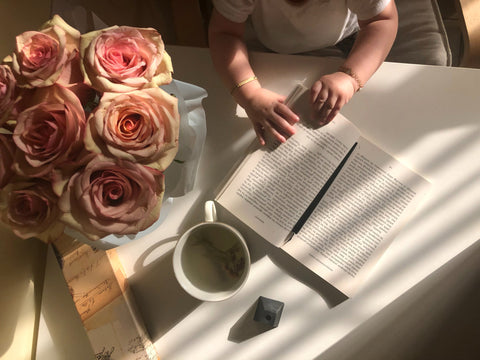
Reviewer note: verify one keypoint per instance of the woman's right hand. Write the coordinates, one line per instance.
(269, 115)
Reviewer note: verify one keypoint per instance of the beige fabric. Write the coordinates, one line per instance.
(421, 37)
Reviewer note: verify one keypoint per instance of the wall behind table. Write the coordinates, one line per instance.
(88, 15)
(17, 16)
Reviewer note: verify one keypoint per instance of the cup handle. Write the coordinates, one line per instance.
(210, 211)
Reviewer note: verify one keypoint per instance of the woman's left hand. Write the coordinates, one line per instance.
(329, 94)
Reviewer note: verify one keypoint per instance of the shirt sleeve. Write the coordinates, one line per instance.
(366, 9)
(235, 10)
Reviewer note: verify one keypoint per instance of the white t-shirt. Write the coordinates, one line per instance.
(287, 28)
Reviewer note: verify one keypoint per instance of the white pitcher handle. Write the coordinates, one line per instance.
(210, 211)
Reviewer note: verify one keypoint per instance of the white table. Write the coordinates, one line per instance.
(425, 116)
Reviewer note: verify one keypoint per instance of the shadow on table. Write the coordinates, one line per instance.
(155, 287)
(246, 327)
(296, 270)
(259, 248)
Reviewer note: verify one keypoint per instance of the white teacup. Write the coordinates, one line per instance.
(211, 260)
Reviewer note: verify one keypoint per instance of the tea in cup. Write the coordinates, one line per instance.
(211, 260)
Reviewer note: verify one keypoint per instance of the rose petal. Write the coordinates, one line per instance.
(112, 196)
(30, 210)
(122, 59)
(140, 126)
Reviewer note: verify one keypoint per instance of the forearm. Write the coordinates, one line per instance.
(264, 108)
(230, 58)
(375, 38)
(373, 43)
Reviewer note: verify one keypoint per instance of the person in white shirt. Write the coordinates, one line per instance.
(299, 26)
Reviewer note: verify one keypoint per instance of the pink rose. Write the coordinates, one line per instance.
(112, 197)
(7, 92)
(45, 57)
(7, 149)
(49, 134)
(141, 126)
(122, 59)
(30, 210)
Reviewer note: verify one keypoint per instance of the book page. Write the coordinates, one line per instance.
(275, 185)
(358, 217)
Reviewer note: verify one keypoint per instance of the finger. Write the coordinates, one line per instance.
(315, 90)
(335, 110)
(281, 125)
(286, 113)
(325, 111)
(331, 115)
(268, 128)
(259, 131)
(321, 100)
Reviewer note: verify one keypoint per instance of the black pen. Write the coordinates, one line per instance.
(318, 197)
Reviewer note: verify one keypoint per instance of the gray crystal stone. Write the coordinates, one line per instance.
(268, 311)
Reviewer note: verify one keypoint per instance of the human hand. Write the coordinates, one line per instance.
(329, 94)
(269, 115)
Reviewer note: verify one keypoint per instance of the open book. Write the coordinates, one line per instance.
(328, 197)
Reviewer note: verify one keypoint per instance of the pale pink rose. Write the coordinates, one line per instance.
(7, 92)
(122, 59)
(49, 134)
(7, 150)
(141, 126)
(30, 210)
(112, 196)
(45, 57)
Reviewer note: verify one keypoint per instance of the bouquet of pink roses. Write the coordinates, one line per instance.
(85, 131)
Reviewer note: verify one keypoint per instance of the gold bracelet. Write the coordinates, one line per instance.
(243, 82)
(351, 73)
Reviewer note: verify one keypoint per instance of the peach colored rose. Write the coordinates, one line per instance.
(112, 197)
(7, 92)
(30, 210)
(141, 126)
(122, 59)
(45, 57)
(7, 150)
(49, 134)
